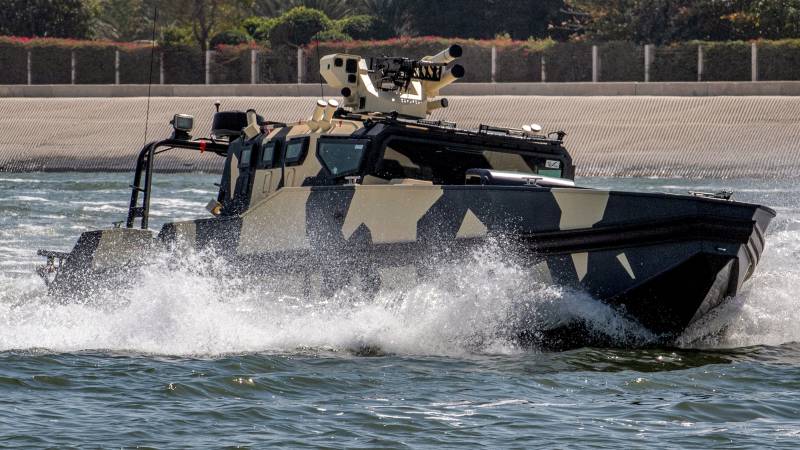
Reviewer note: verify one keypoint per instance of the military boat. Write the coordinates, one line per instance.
(372, 185)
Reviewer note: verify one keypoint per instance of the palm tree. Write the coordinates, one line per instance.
(392, 14)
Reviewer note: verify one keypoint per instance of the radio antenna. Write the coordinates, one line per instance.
(150, 79)
(319, 74)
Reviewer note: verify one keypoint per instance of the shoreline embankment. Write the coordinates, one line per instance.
(689, 134)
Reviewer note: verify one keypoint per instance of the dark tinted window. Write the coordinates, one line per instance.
(341, 158)
(246, 153)
(294, 152)
(442, 163)
(268, 155)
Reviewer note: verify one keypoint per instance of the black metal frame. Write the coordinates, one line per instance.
(144, 163)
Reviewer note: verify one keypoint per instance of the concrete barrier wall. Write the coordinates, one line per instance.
(608, 136)
(691, 89)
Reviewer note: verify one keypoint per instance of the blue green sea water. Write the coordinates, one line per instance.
(179, 360)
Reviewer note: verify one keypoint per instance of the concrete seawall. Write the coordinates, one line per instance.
(719, 136)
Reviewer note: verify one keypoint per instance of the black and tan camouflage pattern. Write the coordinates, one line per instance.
(632, 250)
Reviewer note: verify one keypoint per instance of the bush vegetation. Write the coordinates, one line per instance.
(726, 61)
(779, 60)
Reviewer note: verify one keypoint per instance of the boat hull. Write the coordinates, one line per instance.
(663, 260)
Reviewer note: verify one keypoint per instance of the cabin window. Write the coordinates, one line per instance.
(268, 155)
(444, 163)
(342, 158)
(295, 151)
(247, 151)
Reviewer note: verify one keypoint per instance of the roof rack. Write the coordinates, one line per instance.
(491, 129)
(452, 127)
(437, 123)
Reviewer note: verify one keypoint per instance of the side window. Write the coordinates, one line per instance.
(247, 152)
(295, 151)
(341, 158)
(267, 155)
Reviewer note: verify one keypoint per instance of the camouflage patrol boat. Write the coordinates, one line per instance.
(371, 185)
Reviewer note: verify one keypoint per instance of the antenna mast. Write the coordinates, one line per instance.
(150, 79)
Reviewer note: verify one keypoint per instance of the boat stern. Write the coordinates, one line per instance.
(97, 258)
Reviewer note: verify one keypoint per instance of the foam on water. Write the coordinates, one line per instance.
(477, 305)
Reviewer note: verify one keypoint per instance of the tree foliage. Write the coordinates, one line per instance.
(520, 19)
(46, 18)
(664, 21)
(298, 26)
(390, 17)
(777, 19)
(334, 9)
(258, 28)
(278, 21)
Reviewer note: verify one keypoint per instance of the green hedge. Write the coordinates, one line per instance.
(726, 61)
(231, 65)
(134, 65)
(183, 64)
(13, 62)
(676, 62)
(94, 65)
(278, 66)
(521, 61)
(779, 60)
(569, 62)
(621, 61)
(51, 64)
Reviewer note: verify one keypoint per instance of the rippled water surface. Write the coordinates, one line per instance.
(182, 359)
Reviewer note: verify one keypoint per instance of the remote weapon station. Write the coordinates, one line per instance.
(369, 186)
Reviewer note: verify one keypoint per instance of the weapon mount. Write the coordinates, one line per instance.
(392, 84)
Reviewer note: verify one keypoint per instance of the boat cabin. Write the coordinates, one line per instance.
(368, 150)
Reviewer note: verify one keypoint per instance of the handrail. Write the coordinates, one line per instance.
(144, 163)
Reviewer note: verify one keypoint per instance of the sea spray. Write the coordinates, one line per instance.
(198, 305)
(767, 310)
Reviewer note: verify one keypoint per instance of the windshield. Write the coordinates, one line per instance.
(341, 158)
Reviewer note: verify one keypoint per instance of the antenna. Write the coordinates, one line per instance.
(319, 74)
(150, 80)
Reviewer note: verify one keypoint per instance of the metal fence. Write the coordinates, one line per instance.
(570, 62)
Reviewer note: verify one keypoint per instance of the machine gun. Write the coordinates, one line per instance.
(397, 73)
(392, 84)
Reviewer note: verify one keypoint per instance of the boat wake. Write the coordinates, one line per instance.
(481, 305)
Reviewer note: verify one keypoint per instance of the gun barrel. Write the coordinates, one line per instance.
(446, 56)
(448, 77)
(436, 104)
